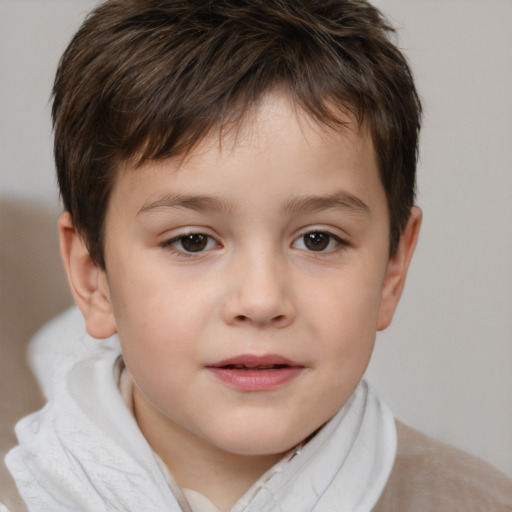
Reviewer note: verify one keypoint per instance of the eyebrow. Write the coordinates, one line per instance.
(340, 200)
(201, 203)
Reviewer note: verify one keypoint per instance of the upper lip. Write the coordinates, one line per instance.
(255, 361)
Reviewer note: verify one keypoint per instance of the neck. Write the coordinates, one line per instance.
(195, 463)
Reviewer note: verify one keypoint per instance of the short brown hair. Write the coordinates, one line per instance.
(149, 79)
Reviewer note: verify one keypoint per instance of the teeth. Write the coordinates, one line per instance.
(259, 367)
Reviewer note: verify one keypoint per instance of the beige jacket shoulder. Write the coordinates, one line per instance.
(430, 476)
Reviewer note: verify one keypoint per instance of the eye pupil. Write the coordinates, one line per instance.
(316, 241)
(194, 242)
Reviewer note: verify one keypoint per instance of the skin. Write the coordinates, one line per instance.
(256, 288)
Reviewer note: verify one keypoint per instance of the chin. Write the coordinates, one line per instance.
(260, 441)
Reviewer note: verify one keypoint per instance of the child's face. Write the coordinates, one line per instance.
(270, 249)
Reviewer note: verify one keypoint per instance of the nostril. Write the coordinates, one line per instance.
(241, 318)
(278, 318)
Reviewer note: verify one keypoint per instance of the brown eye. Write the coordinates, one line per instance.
(319, 241)
(316, 241)
(195, 242)
(190, 244)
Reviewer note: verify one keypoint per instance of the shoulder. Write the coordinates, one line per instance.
(429, 475)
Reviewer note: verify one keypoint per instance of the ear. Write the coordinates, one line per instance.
(397, 268)
(88, 281)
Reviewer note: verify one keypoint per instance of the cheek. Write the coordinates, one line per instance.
(346, 321)
(159, 344)
(349, 304)
(148, 296)
(160, 318)
(149, 328)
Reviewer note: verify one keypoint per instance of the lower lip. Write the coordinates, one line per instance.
(256, 380)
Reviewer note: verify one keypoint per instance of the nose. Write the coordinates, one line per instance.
(259, 293)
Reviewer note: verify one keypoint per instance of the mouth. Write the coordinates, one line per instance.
(264, 362)
(258, 367)
(255, 373)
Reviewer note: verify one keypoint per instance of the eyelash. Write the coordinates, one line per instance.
(331, 238)
(170, 244)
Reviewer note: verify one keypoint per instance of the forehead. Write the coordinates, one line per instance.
(278, 118)
(276, 146)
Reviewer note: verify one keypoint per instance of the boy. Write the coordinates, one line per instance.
(238, 181)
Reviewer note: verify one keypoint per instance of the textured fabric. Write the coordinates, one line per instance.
(84, 451)
(430, 476)
(198, 502)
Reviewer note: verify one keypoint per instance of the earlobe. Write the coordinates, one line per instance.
(397, 268)
(88, 282)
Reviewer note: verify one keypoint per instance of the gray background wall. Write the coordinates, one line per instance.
(445, 364)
